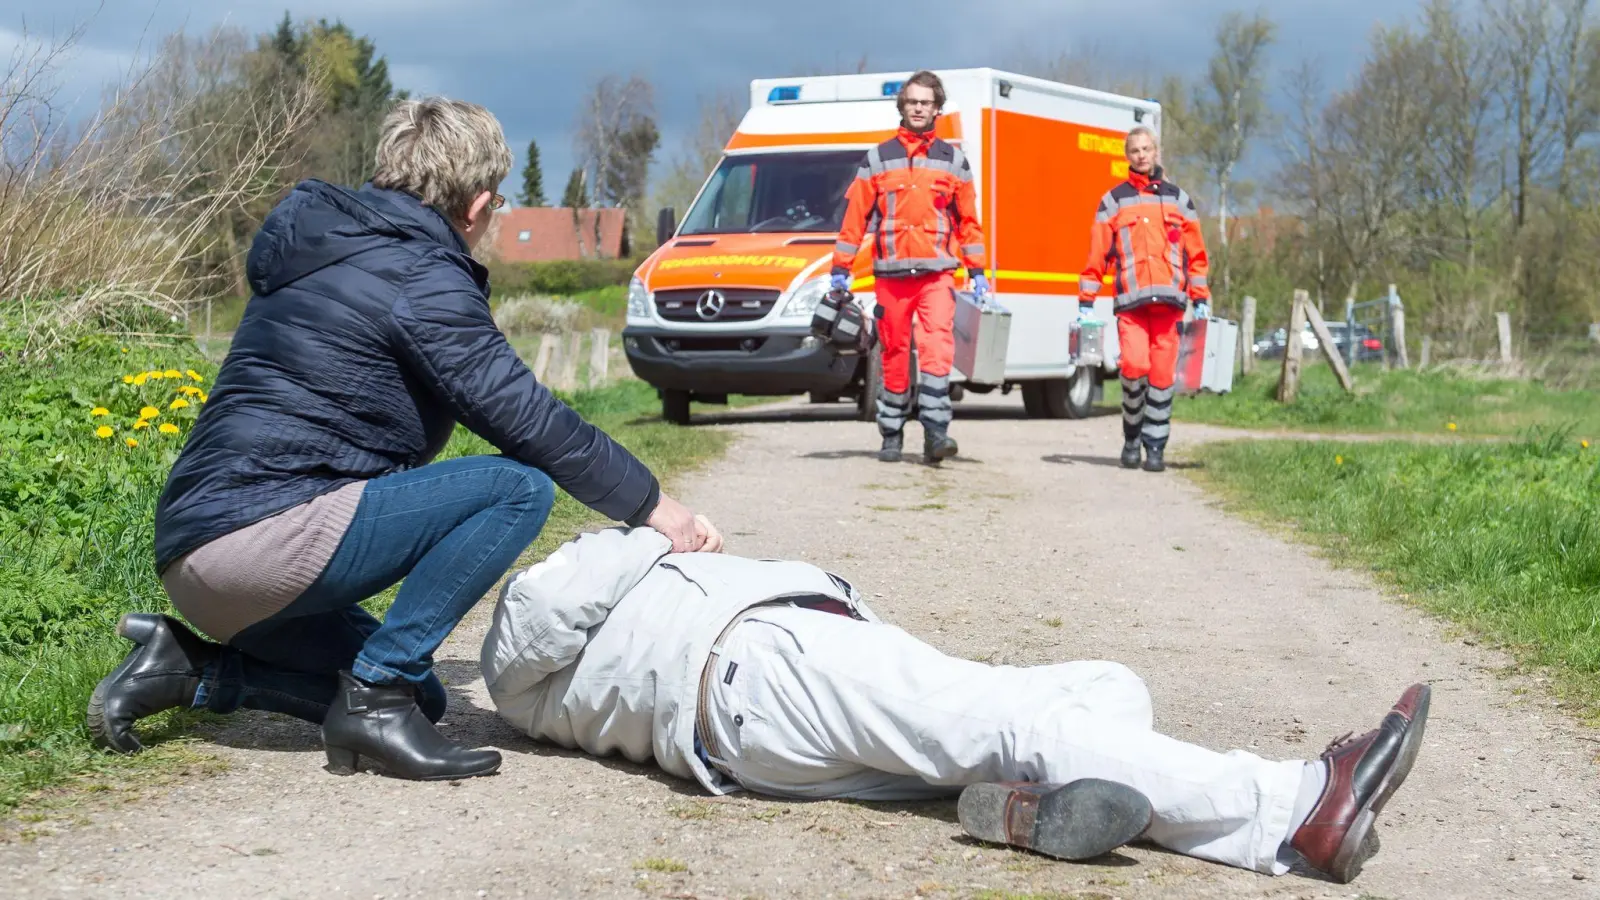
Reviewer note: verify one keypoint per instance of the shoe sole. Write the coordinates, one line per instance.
(1361, 841)
(1081, 820)
(349, 762)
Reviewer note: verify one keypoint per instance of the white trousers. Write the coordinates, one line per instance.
(814, 705)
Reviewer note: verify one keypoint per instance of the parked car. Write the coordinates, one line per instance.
(1369, 347)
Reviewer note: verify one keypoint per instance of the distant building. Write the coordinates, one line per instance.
(545, 233)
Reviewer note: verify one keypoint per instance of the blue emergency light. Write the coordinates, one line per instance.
(890, 88)
(780, 94)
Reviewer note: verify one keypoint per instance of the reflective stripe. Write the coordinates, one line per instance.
(892, 409)
(846, 249)
(1164, 294)
(941, 232)
(933, 399)
(874, 162)
(1186, 206)
(1133, 393)
(1156, 434)
(1198, 281)
(972, 249)
(1088, 286)
(902, 266)
(1175, 259)
(890, 165)
(1139, 200)
(886, 241)
(1128, 283)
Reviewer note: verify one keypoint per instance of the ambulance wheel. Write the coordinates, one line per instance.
(675, 407)
(1033, 399)
(871, 383)
(1080, 393)
(1048, 399)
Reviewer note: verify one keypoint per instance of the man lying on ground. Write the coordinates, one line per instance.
(776, 677)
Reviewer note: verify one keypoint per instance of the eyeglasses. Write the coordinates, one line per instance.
(496, 201)
(928, 103)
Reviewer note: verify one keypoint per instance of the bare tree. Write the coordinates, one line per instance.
(700, 150)
(616, 127)
(124, 214)
(1524, 31)
(1230, 106)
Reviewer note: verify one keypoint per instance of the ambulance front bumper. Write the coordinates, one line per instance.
(771, 362)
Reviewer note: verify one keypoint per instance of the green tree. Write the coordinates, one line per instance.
(532, 179)
(576, 196)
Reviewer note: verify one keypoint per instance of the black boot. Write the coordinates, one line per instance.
(1152, 459)
(892, 444)
(161, 673)
(937, 445)
(383, 723)
(1130, 454)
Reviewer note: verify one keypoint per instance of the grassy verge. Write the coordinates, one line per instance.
(76, 532)
(1499, 537)
(1395, 401)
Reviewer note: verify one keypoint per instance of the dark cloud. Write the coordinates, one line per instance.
(529, 61)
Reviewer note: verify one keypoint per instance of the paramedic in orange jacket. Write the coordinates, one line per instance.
(915, 191)
(1147, 236)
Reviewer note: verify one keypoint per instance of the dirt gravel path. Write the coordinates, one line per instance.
(1032, 548)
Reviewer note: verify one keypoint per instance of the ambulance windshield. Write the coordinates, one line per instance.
(775, 192)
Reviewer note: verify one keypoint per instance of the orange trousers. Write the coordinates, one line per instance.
(1147, 339)
(932, 298)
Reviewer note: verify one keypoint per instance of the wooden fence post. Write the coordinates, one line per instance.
(1427, 350)
(1504, 321)
(1289, 380)
(599, 356)
(541, 362)
(1397, 328)
(1247, 337)
(1329, 350)
(569, 361)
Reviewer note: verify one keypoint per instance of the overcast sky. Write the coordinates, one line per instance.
(528, 61)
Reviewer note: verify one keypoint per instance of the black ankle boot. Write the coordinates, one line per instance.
(1152, 459)
(1130, 454)
(892, 444)
(937, 445)
(161, 673)
(383, 723)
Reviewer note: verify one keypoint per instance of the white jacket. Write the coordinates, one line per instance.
(600, 647)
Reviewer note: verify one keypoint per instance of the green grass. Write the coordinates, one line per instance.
(1396, 401)
(1502, 538)
(76, 534)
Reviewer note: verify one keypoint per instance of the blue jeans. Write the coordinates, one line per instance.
(448, 530)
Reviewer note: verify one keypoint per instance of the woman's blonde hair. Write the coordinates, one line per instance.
(446, 152)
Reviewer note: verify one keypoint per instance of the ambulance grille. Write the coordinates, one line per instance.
(739, 304)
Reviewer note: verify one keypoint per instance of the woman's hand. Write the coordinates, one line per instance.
(677, 522)
(713, 538)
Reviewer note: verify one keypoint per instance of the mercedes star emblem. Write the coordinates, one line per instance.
(710, 304)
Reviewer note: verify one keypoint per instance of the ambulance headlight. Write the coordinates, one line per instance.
(638, 301)
(804, 302)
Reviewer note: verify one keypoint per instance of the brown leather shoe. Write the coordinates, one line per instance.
(1078, 820)
(1363, 773)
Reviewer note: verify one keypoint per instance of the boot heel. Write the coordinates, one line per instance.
(342, 761)
(138, 627)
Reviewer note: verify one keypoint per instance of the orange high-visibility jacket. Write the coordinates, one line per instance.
(916, 191)
(1147, 235)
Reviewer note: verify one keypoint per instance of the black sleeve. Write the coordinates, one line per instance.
(445, 334)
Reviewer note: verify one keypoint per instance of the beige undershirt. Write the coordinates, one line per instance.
(247, 576)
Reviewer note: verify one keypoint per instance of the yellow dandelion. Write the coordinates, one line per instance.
(131, 443)
(196, 376)
(99, 411)
(149, 412)
(189, 390)
(1338, 460)
(127, 379)
(103, 432)
(1451, 426)
(203, 397)
(139, 379)
(168, 428)
(1584, 444)
(142, 423)
(179, 403)
(156, 374)
(124, 349)
(172, 373)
